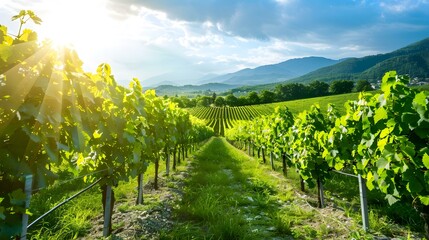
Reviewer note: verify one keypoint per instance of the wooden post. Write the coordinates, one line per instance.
(140, 189)
(249, 148)
(284, 164)
(107, 212)
(272, 160)
(27, 190)
(320, 193)
(167, 164)
(302, 183)
(363, 203)
(183, 153)
(174, 158)
(263, 156)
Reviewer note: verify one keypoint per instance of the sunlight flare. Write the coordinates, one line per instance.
(79, 24)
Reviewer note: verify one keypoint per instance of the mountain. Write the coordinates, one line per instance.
(192, 90)
(176, 78)
(412, 60)
(273, 73)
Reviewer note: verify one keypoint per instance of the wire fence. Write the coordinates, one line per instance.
(70, 180)
(64, 202)
(29, 191)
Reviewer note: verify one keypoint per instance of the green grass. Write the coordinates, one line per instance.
(297, 106)
(345, 192)
(77, 217)
(232, 196)
(342, 192)
(69, 221)
(229, 195)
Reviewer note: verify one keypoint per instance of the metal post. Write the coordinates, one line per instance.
(27, 191)
(107, 212)
(363, 203)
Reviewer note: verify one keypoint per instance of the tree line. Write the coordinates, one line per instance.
(282, 92)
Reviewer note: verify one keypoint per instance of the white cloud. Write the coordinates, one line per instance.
(399, 6)
(145, 38)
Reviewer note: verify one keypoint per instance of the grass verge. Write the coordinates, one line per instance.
(232, 196)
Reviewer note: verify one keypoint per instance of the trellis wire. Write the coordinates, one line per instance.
(64, 202)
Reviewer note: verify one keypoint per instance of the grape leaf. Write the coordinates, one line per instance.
(426, 160)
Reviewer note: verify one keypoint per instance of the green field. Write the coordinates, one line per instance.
(297, 106)
(221, 118)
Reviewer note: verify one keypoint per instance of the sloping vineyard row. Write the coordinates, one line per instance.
(382, 137)
(221, 118)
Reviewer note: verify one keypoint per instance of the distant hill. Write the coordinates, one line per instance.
(273, 73)
(176, 78)
(412, 60)
(192, 90)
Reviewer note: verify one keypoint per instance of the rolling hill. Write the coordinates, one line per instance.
(192, 90)
(412, 60)
(274, 72)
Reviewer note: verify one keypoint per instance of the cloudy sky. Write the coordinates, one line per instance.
(192, 38)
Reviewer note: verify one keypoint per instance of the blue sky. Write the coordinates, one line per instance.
(187, 39)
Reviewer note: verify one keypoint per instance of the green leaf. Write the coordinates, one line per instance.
(339, 166)
(5, 52)
(391, 199)
(408, 149)
(380, 113)
(2, 215)
(420, 99)
(17, 197)
(426, 160)
(414, 186)
(411, 119)
(424, 200)
(369, 180)
(382, 143)
(382, 164)
(97, 134)
(384, 132)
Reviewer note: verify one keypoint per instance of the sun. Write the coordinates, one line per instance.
(80, 24)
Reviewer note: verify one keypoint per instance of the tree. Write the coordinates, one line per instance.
(231, 100)
(291, 91)
(318, 88)
(267, 96)
(341, 86)
(213, 98)
(253, 98)
(204, 101)
(362, 86)
(178, 101)
(185, 101)
(219, 102)
(242, 100)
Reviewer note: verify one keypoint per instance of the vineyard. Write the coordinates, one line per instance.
(58, 123)
(382, 137)
(222, 118)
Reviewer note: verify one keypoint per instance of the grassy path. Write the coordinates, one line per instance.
(229, 195)
(217, 193)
